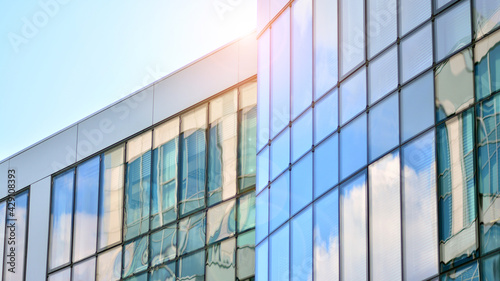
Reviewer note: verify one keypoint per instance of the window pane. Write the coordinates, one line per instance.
(326, 237)
(417, 101)
(163, 245)
(263, 97)
(60, 219)
(61, 275)
(84, 271)
(246, 212)
(165, 272)
(221, 261)
(385, 218)
(454, 85)
(3, 208)
(412, 13)
(353, 96)
(301, 184)
(487, 65)
(263, 169)
(353, 221)
(440, 3)
(245, 255)
(191, 233)
(140, 277)
(247, 143)
(262, 258)
(384, 126)
(419, 208)
(19, 219)
(192, 267)
(353, 146)
(262, 215)
(301, 251)
(221, 221)
(85, 226)
(416, 52)
(485, 17)
(279, 203)
(326, 165)
(109, 265)
(352, 34)
(111, 197)
(382, 24)
(453, 30)
(383, 74)
(325, 46)
(135, 256)
(278, 248)
(280, 154)
(488, 135)
(490, 268)
(193, 146)
(301, 56)
(326, 116)
(302, 135)
(457, 195)
(280, 73)
(469, 272)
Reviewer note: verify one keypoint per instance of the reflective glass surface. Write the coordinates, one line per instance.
(453, 30)
(262, 215)
(302, 135)
(17, 214)
(191, 234)
(353, 147)
(135, 256)
(490, 270)
(487, 65)
(326, 116)
(469, 272)
(245, 255)
(221, 221)
(263, 98)
(382, 24)
(139, 277)
(165, 272)
(419, 208)
(385, 219)
(280, 154)
(261, 261)
(247, 144)
(192, 267)
(301, 183)
(352, 34)
(246, 212)
(412, 13)
(62, 275)
(278, 249)
(326, 165)
(383, 74)
(417, 101)
(279, 203)
(301, 246)
(440, 3)
(221, 261)
(109, 265)
(84, 271)
(163, 245)
(485, 16)
(353, 96)
(384, 126)
(416, 52)
(262, 169)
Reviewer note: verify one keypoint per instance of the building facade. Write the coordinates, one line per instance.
(377, 140)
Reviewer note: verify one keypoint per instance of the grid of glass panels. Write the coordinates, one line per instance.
(394, 160)
(175, 202)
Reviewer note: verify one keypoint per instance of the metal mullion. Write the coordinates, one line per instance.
(98, 220)
(122, 242)
(73, 222)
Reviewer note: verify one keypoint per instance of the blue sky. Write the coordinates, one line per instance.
(62, 60)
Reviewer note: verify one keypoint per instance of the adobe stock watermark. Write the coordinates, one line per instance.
(10, 234)
(31, 26)
(221, 7)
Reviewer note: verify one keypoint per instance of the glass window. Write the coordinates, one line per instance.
(487, 65)
(457, 195)
(301, 183)
(325, 46)
(109, 265)
(326, 165)
(61, 275)
(280, 154)
(221, 261)
(247, 137)
(222, 148)
(139, 277)
(302, 135)
(419, 208)
(164, 272)
(61, 219)
(416, 51)
(221, 221)
(326, 237)
(352, 34)
(468, 272)
(384, 126)
(417, 101)
(20, 220)
(84, 271)
(485, 17)
(263, 169)
(261, 261)
(385, 218)
(353, 148)
(412, 13)
(193, 146)
(163, 245)
(280, 73)
(353, 226)
(85, 225)
(192, 267)
(383, 74)
(301, 250)
(490, 268)
(301, 56)
(278, 248)
(111, 197)
(246, 212)
(245, 255)
(262, 215)
(440, 3)
(452, 30)
(279, 203)
(353, 96)
(454, 85)
(135, 256)
(263, 71)
(191, 234)
(326, 116)
(488, 135)
(382, 24)
(3, 208)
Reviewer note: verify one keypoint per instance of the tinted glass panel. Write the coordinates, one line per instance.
(469, 272)
(247, 144)
(62, 275)
(301, 184)
(412, 13)
(245, 255)
(353, 148)
(191, 233)
(325, 46)
(262, 215)
(135, 256)
(326, 165)
(326, 116)
(261, 260)
(221, 261)
(279, 203)
(192, 267)
(301, 135)
(490, 270)
(485, 17)
(352, 34)
(84, 271)
(382, 24)
(416, 52)
(383, 74)
(221, 221)
(20, 221)
(384, 126)
(165, 272)
(109, 265)
(246, 212)
(163, 245)
(453, 30)
(278, 248)
(140, 277)
(263, 169)
(353, 96)
(280, 154)
(301, 251)
(263, 97)
(487, 65)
